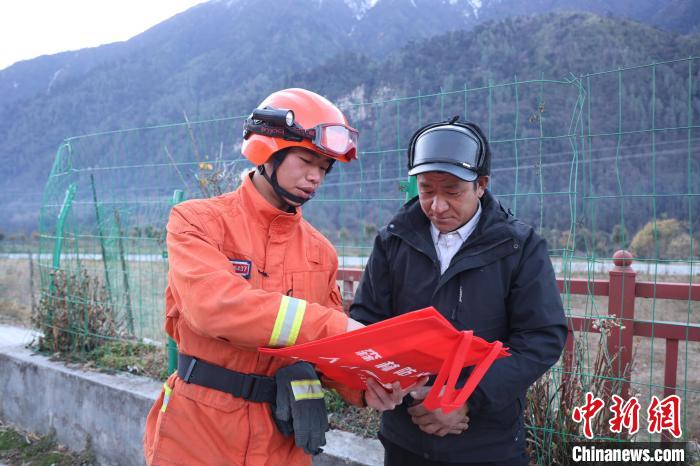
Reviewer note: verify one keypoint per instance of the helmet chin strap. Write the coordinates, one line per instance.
(285, 195)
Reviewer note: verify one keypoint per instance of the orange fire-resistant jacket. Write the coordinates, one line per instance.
(243, 274)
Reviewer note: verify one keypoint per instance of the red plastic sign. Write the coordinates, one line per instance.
(403, 348)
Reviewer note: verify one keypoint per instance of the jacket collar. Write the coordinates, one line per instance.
(493, 218)
(257, 208)
(411, 225)
(464, 232)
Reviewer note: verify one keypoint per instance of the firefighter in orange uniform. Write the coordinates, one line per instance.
(246, 270)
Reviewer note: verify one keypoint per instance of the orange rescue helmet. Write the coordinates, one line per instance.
(314, 124)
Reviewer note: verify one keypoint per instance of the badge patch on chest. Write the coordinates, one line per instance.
(241, 267)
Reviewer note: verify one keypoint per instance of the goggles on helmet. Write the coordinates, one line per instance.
(334, 139)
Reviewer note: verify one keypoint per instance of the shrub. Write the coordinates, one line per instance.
(75, 315)
(669, 239)
(551, 400)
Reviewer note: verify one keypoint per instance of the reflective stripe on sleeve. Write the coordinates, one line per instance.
(289, 318)
(166, 397)
(308, 389)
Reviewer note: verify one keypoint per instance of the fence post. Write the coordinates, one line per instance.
(410, 187)
(621, 307)
(60, 225)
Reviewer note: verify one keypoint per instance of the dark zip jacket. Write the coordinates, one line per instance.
(500, 284)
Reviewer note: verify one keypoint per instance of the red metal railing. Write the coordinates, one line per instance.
(622, 289)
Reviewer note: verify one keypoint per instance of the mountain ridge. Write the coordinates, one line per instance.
(208, 72)
(363, 20)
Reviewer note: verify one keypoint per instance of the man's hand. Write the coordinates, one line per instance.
(387, 397)
(353, 325)
(436, 422)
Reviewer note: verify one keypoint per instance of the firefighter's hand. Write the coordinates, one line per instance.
(436, 422)
(353, 325)
(387, 397)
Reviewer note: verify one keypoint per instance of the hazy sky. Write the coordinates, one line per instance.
(29, 28)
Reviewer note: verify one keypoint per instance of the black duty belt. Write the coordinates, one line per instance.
(251, 387)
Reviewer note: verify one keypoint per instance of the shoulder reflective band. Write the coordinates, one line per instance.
(166, 397)
(309, 389)
(288, 323)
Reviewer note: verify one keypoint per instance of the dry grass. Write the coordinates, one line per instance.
(15, 291)
(147, 281)
(342, 416)
(553, 398)
(76, 316)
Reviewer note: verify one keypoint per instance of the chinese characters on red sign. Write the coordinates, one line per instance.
(661, 415)
(370, 355)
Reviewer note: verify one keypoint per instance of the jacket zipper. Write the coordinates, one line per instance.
(459, 303)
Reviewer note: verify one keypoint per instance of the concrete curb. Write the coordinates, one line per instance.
(37, 394)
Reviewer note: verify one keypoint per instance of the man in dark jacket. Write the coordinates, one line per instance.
(457, 249)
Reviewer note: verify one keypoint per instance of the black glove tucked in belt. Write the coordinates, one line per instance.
(300, 407)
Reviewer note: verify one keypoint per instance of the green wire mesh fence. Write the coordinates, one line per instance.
(597, 163)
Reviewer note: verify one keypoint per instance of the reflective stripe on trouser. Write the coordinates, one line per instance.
(166, 397)
(288, 322)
